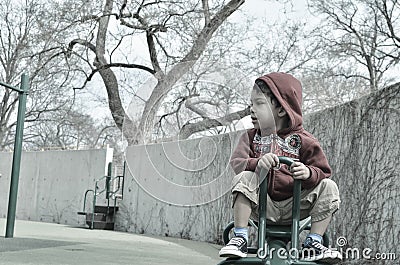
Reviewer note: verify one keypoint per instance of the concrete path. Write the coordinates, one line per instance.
(37, 243)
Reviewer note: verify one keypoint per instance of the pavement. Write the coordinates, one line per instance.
(36, 243)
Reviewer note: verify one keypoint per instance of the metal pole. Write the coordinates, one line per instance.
(12, 202)
(108, 182)
(296, 214)
(262, 217)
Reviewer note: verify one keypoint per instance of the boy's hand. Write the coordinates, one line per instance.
(300, 171)
(267, 161)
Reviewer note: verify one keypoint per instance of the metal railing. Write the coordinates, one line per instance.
(109, 194)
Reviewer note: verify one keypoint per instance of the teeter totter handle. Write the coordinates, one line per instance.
(262, 221)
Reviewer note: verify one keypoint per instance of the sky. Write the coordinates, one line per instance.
(275, 9)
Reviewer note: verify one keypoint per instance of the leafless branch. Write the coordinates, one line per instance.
(115, 65)
(388, 18)
(191, 128)
(82, 42)
(153, 54)
(206, 10)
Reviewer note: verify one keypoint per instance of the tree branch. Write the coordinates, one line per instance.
(388, 19)
(153, 53)
(192, 106)
(209, 29)
(206, 10)
(111, 65)
(190, 128)
(82, 42)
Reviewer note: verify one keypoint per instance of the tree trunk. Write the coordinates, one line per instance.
(110, 80)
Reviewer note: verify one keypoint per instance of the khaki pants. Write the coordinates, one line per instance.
(319, 203)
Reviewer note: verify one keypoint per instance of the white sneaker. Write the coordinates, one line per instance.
(315, 251)
(236, 248)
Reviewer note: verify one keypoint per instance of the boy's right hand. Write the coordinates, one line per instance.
(267, 161)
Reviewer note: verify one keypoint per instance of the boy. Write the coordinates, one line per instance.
(276, 115)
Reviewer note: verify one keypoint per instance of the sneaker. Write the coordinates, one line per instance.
(315, 251)
(236, 248)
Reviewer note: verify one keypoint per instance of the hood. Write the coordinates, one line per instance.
(288, 92)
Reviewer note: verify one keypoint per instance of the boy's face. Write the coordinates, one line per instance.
(263, 113)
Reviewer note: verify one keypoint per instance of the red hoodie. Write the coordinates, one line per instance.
(288, 92)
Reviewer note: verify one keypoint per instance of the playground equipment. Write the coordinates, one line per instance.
(273, 239)
(19, 132)
(103, 217)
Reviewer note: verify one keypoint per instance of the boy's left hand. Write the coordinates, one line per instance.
(300, 171)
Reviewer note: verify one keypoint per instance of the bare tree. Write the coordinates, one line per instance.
(390, 10)
(27, 45)
(280, 47)
(208, 101)
(355, 34)
(323, 89)
(70, 129)
(159, 22)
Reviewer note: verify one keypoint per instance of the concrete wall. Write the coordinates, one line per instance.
(361, 140)
(178, 189)
(52, 183)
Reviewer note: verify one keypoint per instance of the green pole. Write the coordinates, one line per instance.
(108, 180)
(262, 217)
(296, 214)
(12, 201)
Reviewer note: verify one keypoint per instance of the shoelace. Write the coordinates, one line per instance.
(236, 241)
(319, 246)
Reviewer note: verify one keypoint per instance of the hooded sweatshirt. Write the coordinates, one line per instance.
(292, 141)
